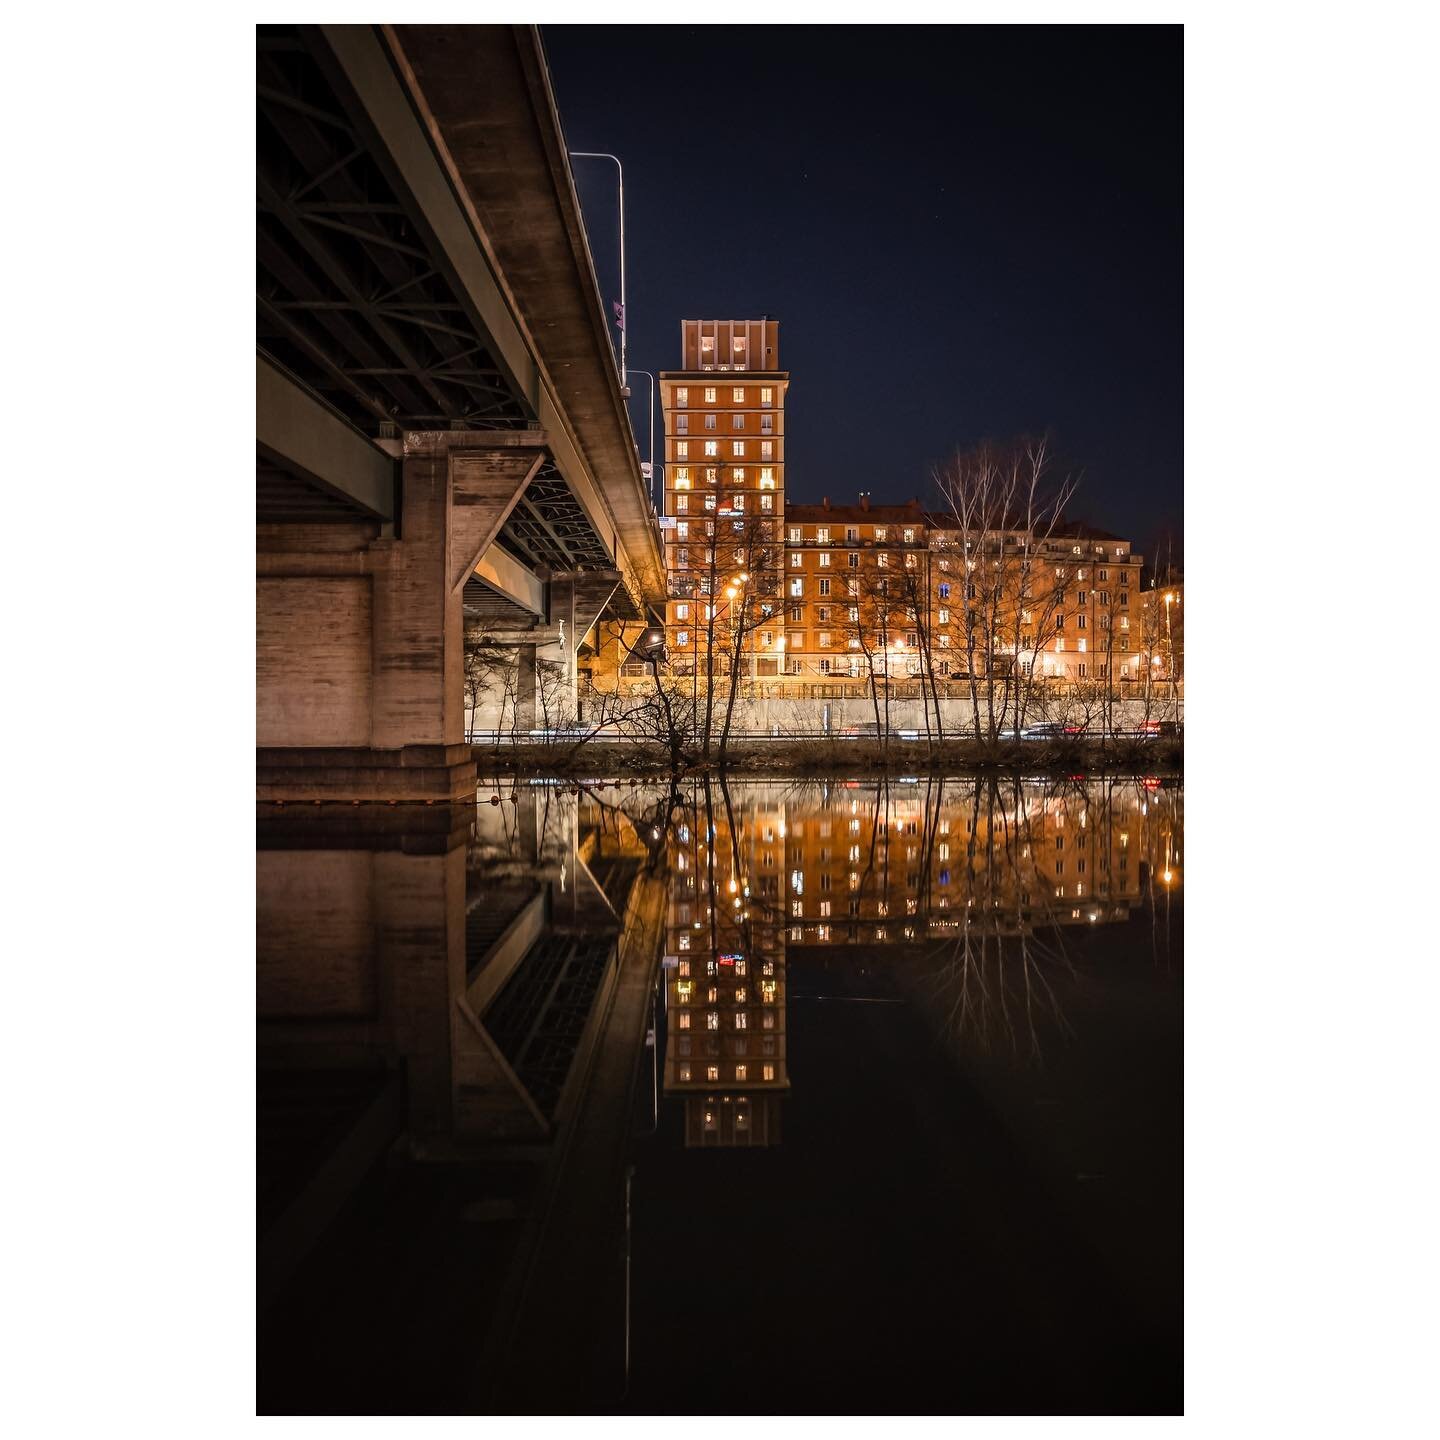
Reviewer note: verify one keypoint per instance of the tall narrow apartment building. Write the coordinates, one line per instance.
(725, 496)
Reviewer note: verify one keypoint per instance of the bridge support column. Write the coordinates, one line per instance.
(526, 684)
(577, 601)
(360, 640)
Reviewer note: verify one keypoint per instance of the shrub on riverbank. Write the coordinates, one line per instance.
(1061, 756)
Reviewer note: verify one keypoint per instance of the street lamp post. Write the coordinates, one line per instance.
(653, 488)
(624, 314)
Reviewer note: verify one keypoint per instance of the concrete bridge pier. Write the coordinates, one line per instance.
(360, 638)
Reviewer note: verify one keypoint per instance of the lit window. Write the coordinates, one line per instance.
(710, 394)
(879, 532)
(712, 1072)
(684, 1072)
(737, 394)
(682, 394)
(824, 559)
(742, 1020)
(712, 447)
(737, 447)
(767, 502)
(682, 448)
(682, 638)
(767, 477)
(682, 504)
(741, 1072)
(767, 1072)
(797, 586)
(682, 477)
(767, 395)
(684, 1019)
(883, 561)
(712, 1019)
(824, 639)
(682, 612)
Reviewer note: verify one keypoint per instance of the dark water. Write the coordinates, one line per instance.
(895, 1125)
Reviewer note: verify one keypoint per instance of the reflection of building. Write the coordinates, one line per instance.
(725, 980)
(889, 866)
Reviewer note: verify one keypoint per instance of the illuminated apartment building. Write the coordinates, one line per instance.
(724, 415)
(855, 579)
(725, 1054)
(818, 599)
(1065, 605)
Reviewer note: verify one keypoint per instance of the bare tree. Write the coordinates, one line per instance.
(1005, 511)
(754, 552)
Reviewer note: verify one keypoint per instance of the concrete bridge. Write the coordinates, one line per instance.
(440, 429)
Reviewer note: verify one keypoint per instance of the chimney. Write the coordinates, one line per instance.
(826, 502)
(864, 502)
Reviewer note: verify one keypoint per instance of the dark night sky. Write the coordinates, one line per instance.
(965, 232)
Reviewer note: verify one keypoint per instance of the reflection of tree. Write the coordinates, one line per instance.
(992, 984)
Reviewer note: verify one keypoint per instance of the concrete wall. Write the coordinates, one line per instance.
(957, 716)
(312, 660)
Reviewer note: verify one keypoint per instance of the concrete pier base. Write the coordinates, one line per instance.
(413, 772)
(360, 636)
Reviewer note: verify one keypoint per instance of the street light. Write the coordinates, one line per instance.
(651, 379)
(624, 318)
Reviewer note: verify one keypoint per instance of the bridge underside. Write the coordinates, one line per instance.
(412, 472)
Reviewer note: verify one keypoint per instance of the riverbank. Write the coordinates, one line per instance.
(850, 756)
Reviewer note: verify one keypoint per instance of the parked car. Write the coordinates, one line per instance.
(1051, 730)
(1162, 729)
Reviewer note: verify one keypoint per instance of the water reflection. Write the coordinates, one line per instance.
(471, 1019)
(725, 968)
(965, 888)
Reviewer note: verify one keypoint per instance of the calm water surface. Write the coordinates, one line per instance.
(755, 1097)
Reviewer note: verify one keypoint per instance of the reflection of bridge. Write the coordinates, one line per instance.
(405, 995)
(439, 424)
